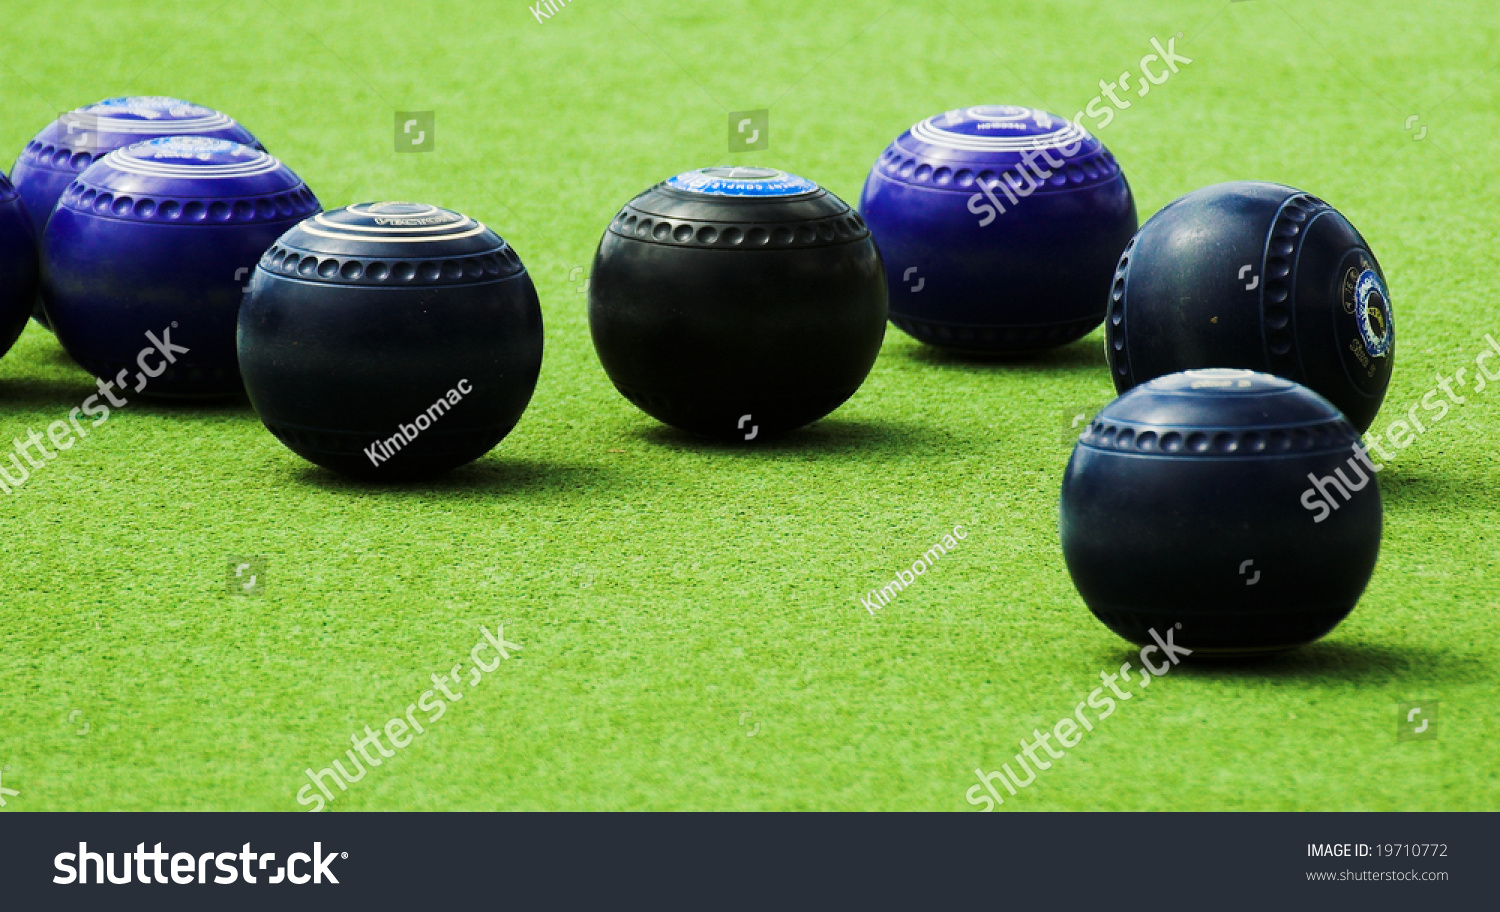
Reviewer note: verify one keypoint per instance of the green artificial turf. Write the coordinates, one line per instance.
(689, 613)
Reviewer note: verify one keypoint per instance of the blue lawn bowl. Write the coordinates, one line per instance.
(1227, 508)
(390, 341)
(77, 139)
(163, 236)
(1000, 227)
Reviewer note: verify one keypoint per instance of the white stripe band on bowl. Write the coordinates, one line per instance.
(926, 132)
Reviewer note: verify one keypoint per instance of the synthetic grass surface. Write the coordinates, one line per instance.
(689, 616)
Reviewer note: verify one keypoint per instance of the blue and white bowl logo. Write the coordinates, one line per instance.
(148, 115)
(149, 107)
(194, 157)
(742, 182)
(189, 147)
(1372, 314)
